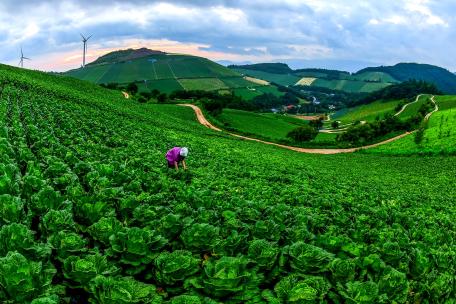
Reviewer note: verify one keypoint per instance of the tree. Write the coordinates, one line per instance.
(303, 134)
(419, 135)
(162, 98)
(317, 124)
(155, 93)
(335, 124)
(132, 88)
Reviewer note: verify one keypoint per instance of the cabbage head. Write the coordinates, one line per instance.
(174, 267)
(359, 292)
(57, 220)
(104, 228)
(200, 237)
(122, 290)
(67, 243)
(302, 289)
(305, 258)
(22, 280)
(82, 270)
(136, 246)
(17, 237)
(11, 209)
(264, 253)
(228, 277)
(395, 285)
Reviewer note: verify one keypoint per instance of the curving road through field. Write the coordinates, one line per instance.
(202, 120)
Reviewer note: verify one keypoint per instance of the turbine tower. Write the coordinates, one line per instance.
(21, 63)
(84, 40)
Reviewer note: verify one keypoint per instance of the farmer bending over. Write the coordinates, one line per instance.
(175, 156)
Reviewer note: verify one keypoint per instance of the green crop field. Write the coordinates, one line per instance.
(253, 91)
(274, 127)
(283, 79)
(439, 137)
(367, 112)
(90, 213)
(165, 85)
(207, 84)
(350, 85)
(374, 76)
(238, 82)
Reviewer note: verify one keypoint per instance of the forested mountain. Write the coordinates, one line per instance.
(442, 78)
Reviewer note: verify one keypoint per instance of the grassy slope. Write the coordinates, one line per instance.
(375, 76)
(440, 137)
(350, 205)
(367, 112)
(274, 127)
(251, 92)
(283, 79)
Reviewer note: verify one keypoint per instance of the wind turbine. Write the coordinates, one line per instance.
(21, 63)
(84, 40)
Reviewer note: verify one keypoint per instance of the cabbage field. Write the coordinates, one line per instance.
(89, 213)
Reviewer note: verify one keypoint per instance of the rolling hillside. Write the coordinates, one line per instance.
(90, 213)
(364, 81)
(330, 79)
(162, 71)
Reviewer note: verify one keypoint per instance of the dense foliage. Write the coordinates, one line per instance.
(406, 90)
(303, 133)
(275, 68)
(90, 213)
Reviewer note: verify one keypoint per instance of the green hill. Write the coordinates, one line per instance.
(90, 213)
(162, 71)
(442, 78)
(280, 73)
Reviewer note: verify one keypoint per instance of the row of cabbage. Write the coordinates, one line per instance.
(87, 214)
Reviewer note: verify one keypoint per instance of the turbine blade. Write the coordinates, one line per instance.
(83, 38)
(27, 58)
(89, 37)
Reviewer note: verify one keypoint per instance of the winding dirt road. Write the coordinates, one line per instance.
(406, 105)
(202, 120)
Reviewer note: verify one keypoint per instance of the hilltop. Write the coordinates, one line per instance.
(166, 72)
(125, 55)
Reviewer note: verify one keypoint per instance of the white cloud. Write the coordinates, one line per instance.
(255, 30)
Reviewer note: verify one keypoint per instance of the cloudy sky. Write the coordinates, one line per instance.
(343, 34)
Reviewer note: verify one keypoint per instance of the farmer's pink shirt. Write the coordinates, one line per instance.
(173, 155)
